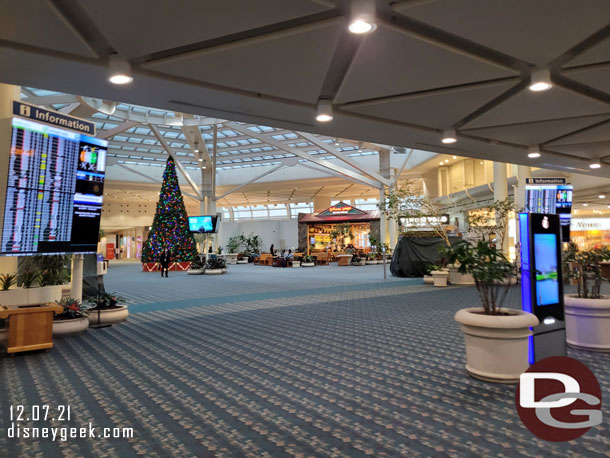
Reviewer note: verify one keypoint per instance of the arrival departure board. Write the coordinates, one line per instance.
(54, 192)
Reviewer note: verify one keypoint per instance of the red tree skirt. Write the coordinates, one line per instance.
(156, 267)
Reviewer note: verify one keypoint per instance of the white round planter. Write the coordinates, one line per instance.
(439, 277)
(108, 316)
(588, 323)
(62, 328)
(359, 263)
(308, 264)
(296, 263)
(428, 280)
(213, 271)
(496, 345)
(456, 278)
(242, 261)
(31, 296)
(370, 262)
(196, 271)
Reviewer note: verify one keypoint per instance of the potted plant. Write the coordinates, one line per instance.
(357, 260)
(371, 258)
(496, 339)
(196, 268)
(7, 281)
(587, 313)
(72, 321)
(428, 279)
(215, 266)
(296, 262)
(242, 258)
(308, 261)
(108, 309)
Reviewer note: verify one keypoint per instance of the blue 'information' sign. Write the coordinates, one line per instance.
(54, 118)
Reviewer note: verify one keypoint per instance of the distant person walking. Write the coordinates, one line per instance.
(164, 260)
(272, 250)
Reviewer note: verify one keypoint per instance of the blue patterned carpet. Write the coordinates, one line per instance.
(336, 363)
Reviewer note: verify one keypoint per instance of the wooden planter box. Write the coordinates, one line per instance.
(30, 328)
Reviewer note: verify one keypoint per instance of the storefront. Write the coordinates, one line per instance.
(590, 233)
(338, 228)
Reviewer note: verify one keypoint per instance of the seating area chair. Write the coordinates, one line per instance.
(262, 259)
(321, 259)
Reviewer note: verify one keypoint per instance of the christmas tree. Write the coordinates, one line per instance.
(170, 228)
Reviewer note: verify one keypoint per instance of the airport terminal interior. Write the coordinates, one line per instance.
(333, 228)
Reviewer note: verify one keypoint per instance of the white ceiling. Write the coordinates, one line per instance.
(430, 65)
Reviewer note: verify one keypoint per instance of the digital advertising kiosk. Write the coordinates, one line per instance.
(541, 283)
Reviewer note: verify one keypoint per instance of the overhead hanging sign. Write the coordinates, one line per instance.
(53, 118)
(341, 209)
(543, 180)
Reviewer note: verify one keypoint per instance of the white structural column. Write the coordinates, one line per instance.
(77, 277)
(501, 191)
(384, 225)
(8, 264)
(523, 172)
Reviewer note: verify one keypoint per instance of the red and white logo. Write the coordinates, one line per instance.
(559, 399)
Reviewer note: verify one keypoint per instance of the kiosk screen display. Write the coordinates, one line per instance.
(547, 278)
(202, 224)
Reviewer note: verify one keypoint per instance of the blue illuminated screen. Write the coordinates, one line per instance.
(202, 224)
(547, 278)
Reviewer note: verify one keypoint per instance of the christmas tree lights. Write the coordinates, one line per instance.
(170, 228)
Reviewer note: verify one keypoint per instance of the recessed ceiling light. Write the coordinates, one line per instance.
(200, 159)
(120, 70)
(533, 152)
(585, 205)
(362, 17)
(449, 136)
(441, 163)
(454, 157)
(446, 160)
(595, 165)
(601, 196)
(540, 80)
(325, 110)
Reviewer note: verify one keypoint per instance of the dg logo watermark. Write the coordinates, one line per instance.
(559, 399)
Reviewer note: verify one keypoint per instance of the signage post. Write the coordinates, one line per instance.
(541, 283)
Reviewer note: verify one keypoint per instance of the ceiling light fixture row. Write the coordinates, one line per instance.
(119, 70)
(449, 136)
(362, 17)
(324, 110)
(533, 152)
(594, 164)
(540, 80)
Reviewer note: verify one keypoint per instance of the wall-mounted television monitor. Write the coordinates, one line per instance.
(52, 189)
(203, 224)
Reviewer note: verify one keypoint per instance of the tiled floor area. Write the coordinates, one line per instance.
(273, 362)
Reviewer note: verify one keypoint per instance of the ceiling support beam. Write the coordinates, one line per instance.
(256, 178)
(344, 157)
(130, 169)
(166, 147)
(404, 164)
(324, 163)
(118, 129)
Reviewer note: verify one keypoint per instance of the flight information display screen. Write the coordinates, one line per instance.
(548, 199)
(54, 191)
